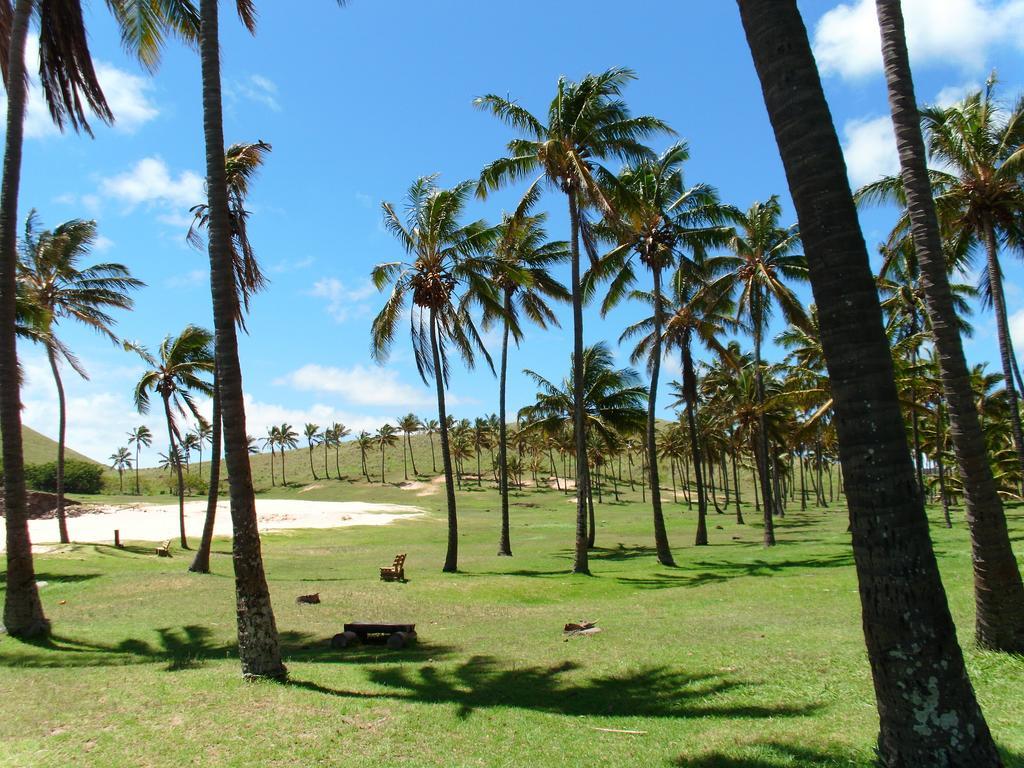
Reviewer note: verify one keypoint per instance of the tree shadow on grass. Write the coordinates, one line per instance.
(56, 578)
(191, 646)
(700, 572)
(482, 683)
(773, 754)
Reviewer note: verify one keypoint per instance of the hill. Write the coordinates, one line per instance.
(39, 449)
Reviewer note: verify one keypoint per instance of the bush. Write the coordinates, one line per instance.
(79, 477)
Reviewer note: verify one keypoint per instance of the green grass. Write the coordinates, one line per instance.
(741, 656)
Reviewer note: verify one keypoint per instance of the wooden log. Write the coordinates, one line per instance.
(396, 641)
(344, 640)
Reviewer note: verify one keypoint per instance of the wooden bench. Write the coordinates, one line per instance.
(394, 572)
(398, 635)
(164, 550)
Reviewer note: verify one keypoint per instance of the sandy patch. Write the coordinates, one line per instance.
(157, 522)
(421, 488)
(308, 488)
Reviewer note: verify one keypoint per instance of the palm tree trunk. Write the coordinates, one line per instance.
(337, 460)
(940, 449)
(736, 485)
(761, 454)
(138, 491)
(174, 456)
(272, 475)
(504, 540)
(258, 646)
(909, 633)
(405, 455)
(660, 533)
(311, 470)
(915, 426)
(201, 562)
(284, 480)
(451, 558)
(412, 456)
(803, 484)
(23, 611)
(62, 418)
(591, 519)
(998, 591)
(581, 562)
(433, 457)
(327, 473)
(382, 462)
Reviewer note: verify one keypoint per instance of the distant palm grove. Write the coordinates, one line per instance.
(871, 406)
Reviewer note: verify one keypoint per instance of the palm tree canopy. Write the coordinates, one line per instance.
(447, 273)
(613, 400)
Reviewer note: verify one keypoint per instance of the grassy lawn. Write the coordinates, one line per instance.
(741, 656)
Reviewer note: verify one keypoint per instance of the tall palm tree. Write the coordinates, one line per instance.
(658, 220)
(999, 593)
(409, 424)
(204, 435)
(312, 434)
(241, 164)
(70, 86)
(271, 441)
(339, 432)
(365, 442)
(764, 256)
(175, 372)
(911, 640)
(431, 427)
(140, 436)
(587, 122)
(523, 258)
(121, 459)
(189, 441)
(699, 309)
(386, 437)
(446, 273)
(287, 439)
(51, 278)
(612, 405)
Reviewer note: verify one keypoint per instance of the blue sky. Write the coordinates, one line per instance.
(358, 102)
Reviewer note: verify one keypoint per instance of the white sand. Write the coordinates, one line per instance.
(157, 522)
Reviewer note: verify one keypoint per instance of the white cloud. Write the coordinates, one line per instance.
(847, 41)
(952, 94)
(127, 95)
(870, 150)
(151, 182)
(359, 385)
(102, 244)
(293, 265)
(260, 416)
(1017, 329)
(343, 302)
(255, 88)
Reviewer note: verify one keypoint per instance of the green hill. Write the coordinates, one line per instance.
(40, 449)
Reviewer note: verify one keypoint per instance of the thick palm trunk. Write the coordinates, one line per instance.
(928, 712)
(998, 591)
(660, 533)
(23, 611)
(173, 455)
(504, 540)
(581, 562)
(201, 562)
(451, 558)
(62, 421)
(258, 646)
(761, 452)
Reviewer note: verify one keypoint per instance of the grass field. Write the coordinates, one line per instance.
(741, 656)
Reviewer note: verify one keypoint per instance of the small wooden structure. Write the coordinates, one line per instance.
(394, 572)
(398, 635)
(117, 539)
(164, 550)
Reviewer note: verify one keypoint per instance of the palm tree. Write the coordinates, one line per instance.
(699, 310)
(121, 459)
(204, 434)
(659, 221)
(409, 424)
(271, 441)
(189, 441)
(911, 640)
(386, 437)
(338, 432)
(446, 259)
(612, 405)
(51, 279)
(365, 442)
(139, 437)
(175, 373)
(587, 122)
(763, 257)
(313, 436)
(985, 196)
(287, 439)
(523, 257)
(242, 162)
(431, 428)
(69, 85)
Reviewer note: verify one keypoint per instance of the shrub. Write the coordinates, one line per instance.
(79, 477)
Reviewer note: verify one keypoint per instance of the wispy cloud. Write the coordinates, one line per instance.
(343, 302)
(255, 88)
(358, 385)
